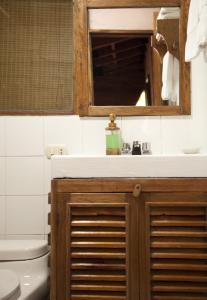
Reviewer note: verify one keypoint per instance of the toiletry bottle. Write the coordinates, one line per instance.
(113, 137)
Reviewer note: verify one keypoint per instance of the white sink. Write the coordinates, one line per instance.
(77, 166)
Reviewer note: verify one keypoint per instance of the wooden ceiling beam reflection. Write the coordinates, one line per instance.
(119, 51)
(115, 59)
(135, 62)
(116, 42)
(118, 61)
(138, 66)
(132, 68)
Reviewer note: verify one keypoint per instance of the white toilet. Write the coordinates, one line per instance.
(24, 270)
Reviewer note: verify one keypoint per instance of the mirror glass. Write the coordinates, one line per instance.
(134, 56)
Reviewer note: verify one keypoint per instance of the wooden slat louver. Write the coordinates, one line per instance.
(97, 251)
(178, 250)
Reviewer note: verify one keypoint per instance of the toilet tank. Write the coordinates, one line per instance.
(13, 250)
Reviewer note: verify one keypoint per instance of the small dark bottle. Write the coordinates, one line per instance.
(136, 150)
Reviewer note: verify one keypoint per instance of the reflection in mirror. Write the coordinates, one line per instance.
(120, 73)
(138, 64)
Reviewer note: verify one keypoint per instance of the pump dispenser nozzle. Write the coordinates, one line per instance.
(112, 124)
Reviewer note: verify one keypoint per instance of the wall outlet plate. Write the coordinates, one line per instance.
(56, 149)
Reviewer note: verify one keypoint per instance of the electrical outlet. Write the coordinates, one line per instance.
(56, 149)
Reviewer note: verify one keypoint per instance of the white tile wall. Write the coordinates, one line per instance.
(25, 215)
(2, 136)
(176, 134)
(25, 171)
(23, 142)
(93, 134)
(199, 96)
(142, 129)
(2, 215)
(64, 130)
(189, 131)
(2, 175)
(24, 176)
(24, 237)
(47, 176)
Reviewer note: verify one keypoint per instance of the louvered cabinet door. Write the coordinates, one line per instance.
(177, 249)
(98, 232)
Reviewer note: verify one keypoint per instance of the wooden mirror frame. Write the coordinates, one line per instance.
(82, 82)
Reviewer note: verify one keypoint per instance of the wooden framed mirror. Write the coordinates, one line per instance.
(129, 57)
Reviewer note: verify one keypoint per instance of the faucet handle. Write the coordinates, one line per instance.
(146, 148)
(136, 150)
(126, 149)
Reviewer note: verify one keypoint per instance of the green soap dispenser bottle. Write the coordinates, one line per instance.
(113, 137)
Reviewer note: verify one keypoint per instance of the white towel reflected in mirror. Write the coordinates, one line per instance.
(170, 79)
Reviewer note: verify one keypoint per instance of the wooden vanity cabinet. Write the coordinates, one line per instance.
(111, 242)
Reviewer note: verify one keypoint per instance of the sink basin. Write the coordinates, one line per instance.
(82, 166)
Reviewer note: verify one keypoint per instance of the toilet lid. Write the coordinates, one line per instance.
(9, 285)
